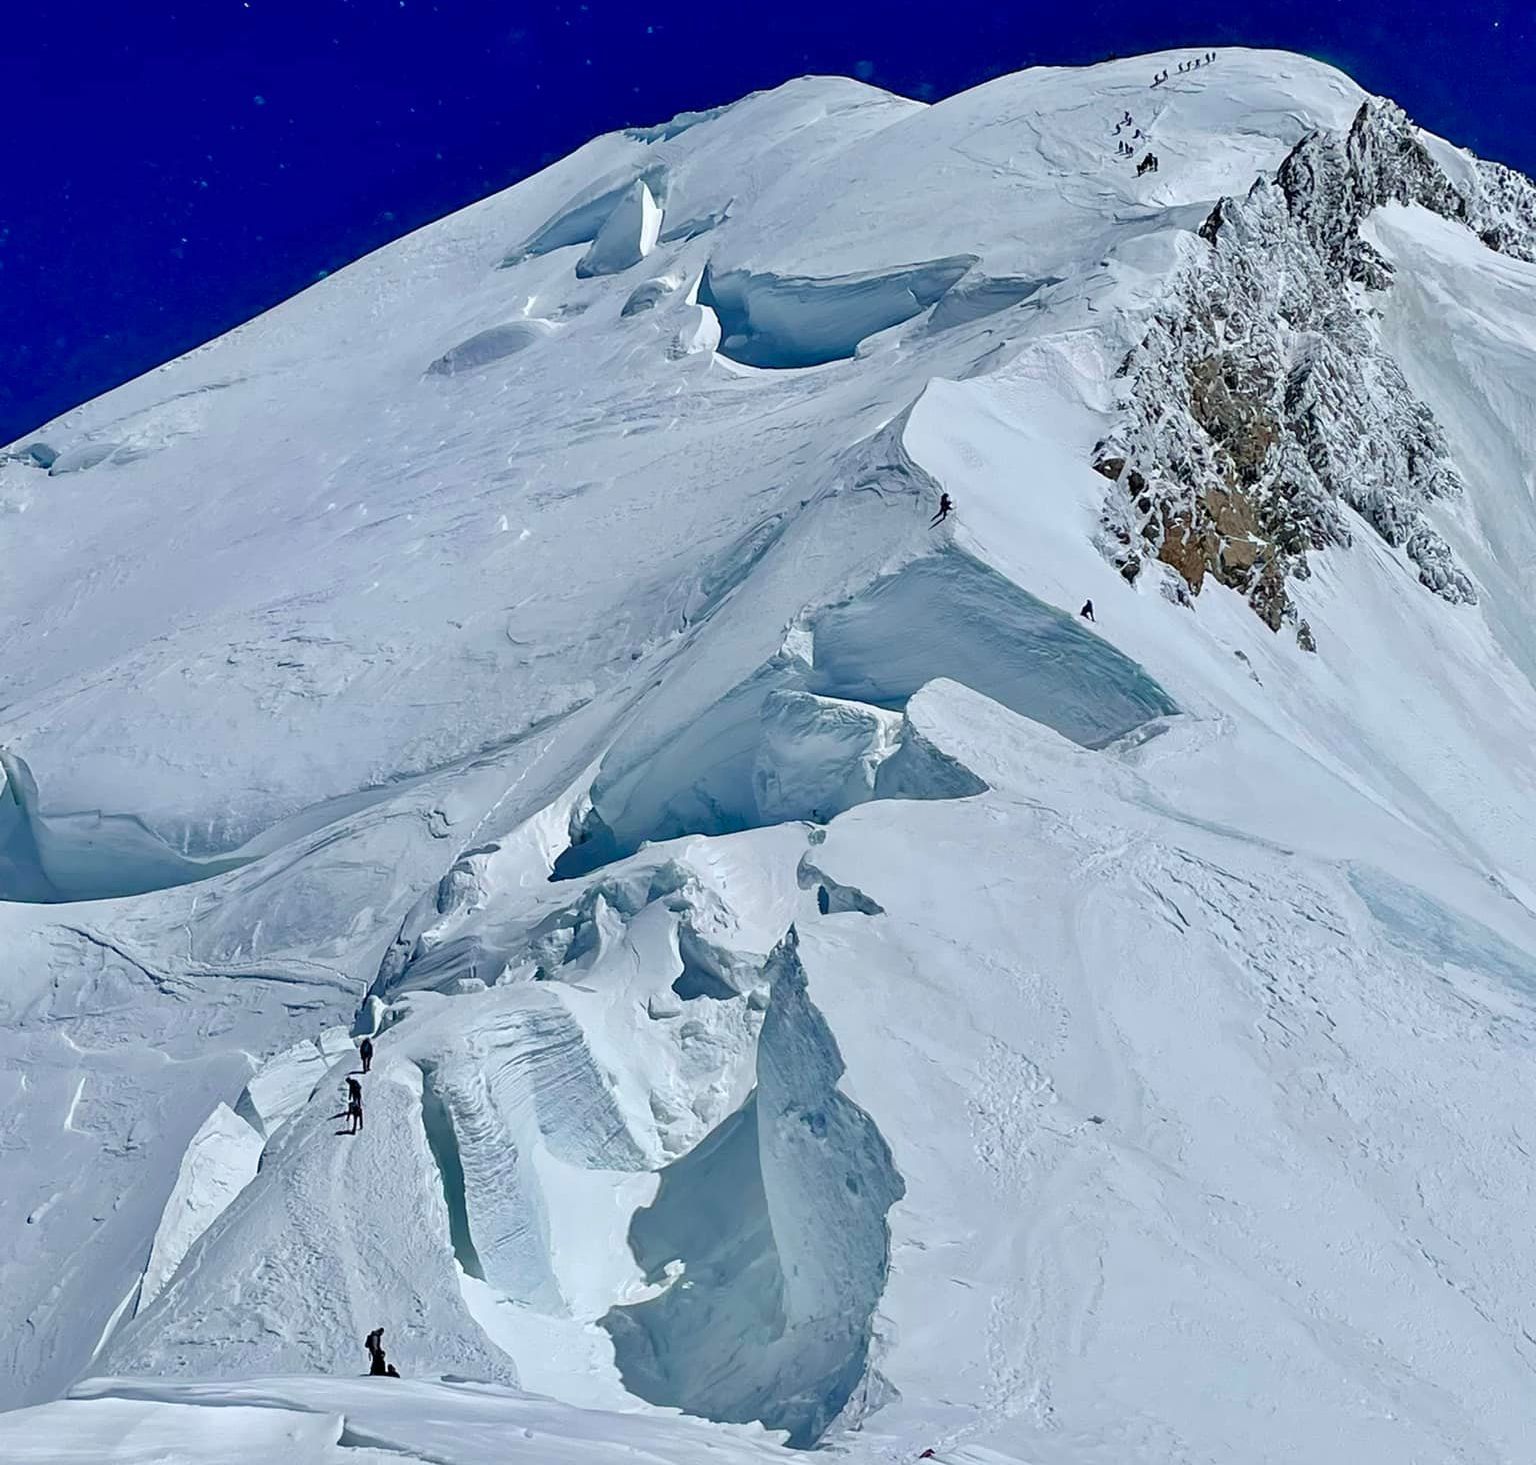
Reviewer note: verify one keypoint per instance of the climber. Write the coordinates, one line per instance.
(354, 1104)
(945, 505)
(377, 1367)
(365, 1052)
(1087, 611)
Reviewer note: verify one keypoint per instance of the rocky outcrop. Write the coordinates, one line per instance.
(1503, 211)
(1259, 404)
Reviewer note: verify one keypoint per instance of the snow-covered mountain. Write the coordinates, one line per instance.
(822, 983)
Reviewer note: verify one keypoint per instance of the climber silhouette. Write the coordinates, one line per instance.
(1087, 611)
(365, 1052)
(377, 1367)
(945, 505)
(354, 1105)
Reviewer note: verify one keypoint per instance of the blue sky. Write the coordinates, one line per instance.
(176, 166)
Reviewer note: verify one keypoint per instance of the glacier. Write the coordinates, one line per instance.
(827, 993)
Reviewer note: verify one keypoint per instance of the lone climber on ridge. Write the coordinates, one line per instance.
(377, 1367)
(945, 505)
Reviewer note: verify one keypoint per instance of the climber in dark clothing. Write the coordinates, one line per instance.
(945, 505)
(377, 1367)
(365, 1052)
(1087, 611)
(354, 1104)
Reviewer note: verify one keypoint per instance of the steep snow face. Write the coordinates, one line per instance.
(220, 1162)
(820, 978)
(380, 476)
(1459, 320)
(770, 1311)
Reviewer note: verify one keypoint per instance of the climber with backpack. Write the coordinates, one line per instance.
(377, 1367)
(945, 505)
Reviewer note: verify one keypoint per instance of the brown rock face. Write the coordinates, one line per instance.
(1190, 546)
(1230, 400)
(1218, 535)
(1236, 561)
(1233, 514)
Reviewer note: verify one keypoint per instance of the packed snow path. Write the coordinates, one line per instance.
(820, 982)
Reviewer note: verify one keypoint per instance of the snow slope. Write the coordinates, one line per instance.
(358, 1422)
(821, 983)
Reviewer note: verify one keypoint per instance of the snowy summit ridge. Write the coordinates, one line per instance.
(826, 990)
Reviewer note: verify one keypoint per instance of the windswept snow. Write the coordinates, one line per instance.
(822, 983)
(352, 1422)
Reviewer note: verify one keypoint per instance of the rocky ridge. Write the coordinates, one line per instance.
(1260, 406)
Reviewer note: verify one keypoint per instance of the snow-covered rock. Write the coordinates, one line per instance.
(1262, 403)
